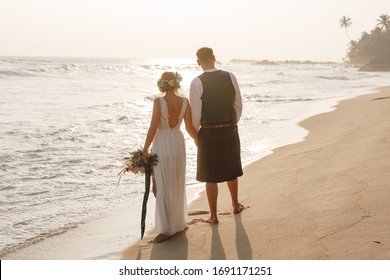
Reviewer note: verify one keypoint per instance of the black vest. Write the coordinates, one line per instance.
(217, 98)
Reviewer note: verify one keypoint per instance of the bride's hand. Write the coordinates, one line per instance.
(145, 152)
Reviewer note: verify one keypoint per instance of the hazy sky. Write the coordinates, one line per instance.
(248, 29)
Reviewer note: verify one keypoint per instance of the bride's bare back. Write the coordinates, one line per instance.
(174, 104)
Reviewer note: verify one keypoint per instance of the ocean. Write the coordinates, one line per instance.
(67, 123)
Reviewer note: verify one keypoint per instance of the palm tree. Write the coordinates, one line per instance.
(345, 22)
(384, 22)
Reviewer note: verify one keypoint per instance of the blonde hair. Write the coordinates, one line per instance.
(169, 81)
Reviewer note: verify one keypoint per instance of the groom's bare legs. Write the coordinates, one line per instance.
(212, 195)
(233, 189)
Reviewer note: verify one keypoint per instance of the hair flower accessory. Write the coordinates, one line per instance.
(169, 81)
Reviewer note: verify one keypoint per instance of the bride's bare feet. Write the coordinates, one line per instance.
(238, 209)
(161, 238)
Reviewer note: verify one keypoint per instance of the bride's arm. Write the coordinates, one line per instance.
(189, 126)
(155, 121)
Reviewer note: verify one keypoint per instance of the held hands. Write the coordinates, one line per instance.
(196, 139)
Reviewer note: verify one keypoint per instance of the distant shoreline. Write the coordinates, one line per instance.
(369, 67)
(279, 62)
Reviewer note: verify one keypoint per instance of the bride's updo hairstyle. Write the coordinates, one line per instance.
(169, 81)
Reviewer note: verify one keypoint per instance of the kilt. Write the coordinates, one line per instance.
(219, 155)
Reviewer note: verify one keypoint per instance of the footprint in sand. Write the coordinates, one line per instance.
(224, 213)
(197, 212)
(194, 221)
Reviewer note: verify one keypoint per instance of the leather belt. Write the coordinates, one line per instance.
(217, 125)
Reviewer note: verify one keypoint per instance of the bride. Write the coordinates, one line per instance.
(169, 145)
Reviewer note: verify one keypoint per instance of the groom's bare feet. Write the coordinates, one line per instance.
(161, 238)
(211, 220)
(238, 209)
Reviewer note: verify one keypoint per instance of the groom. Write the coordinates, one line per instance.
(216, 109)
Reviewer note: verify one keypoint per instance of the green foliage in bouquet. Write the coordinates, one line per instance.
(136, 163)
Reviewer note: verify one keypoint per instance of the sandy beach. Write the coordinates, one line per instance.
(326, 197)
(323, 198)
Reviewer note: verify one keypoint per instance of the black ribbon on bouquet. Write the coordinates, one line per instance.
(148, 171)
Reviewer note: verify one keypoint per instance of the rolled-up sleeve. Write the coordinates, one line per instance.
(237, 99)
(196, 102)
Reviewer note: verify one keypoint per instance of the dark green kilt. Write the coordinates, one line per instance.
(219, 155)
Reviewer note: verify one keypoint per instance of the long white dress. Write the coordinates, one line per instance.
(169, 173)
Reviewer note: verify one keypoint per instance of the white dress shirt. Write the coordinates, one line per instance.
(196, 91)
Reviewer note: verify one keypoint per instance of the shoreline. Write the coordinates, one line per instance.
(323, 198)
(99, 245)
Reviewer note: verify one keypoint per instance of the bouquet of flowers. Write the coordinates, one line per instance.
(135, 163)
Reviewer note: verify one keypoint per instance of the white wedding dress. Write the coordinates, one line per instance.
(169, 173)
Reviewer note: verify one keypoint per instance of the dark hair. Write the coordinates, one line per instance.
(205, 54)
